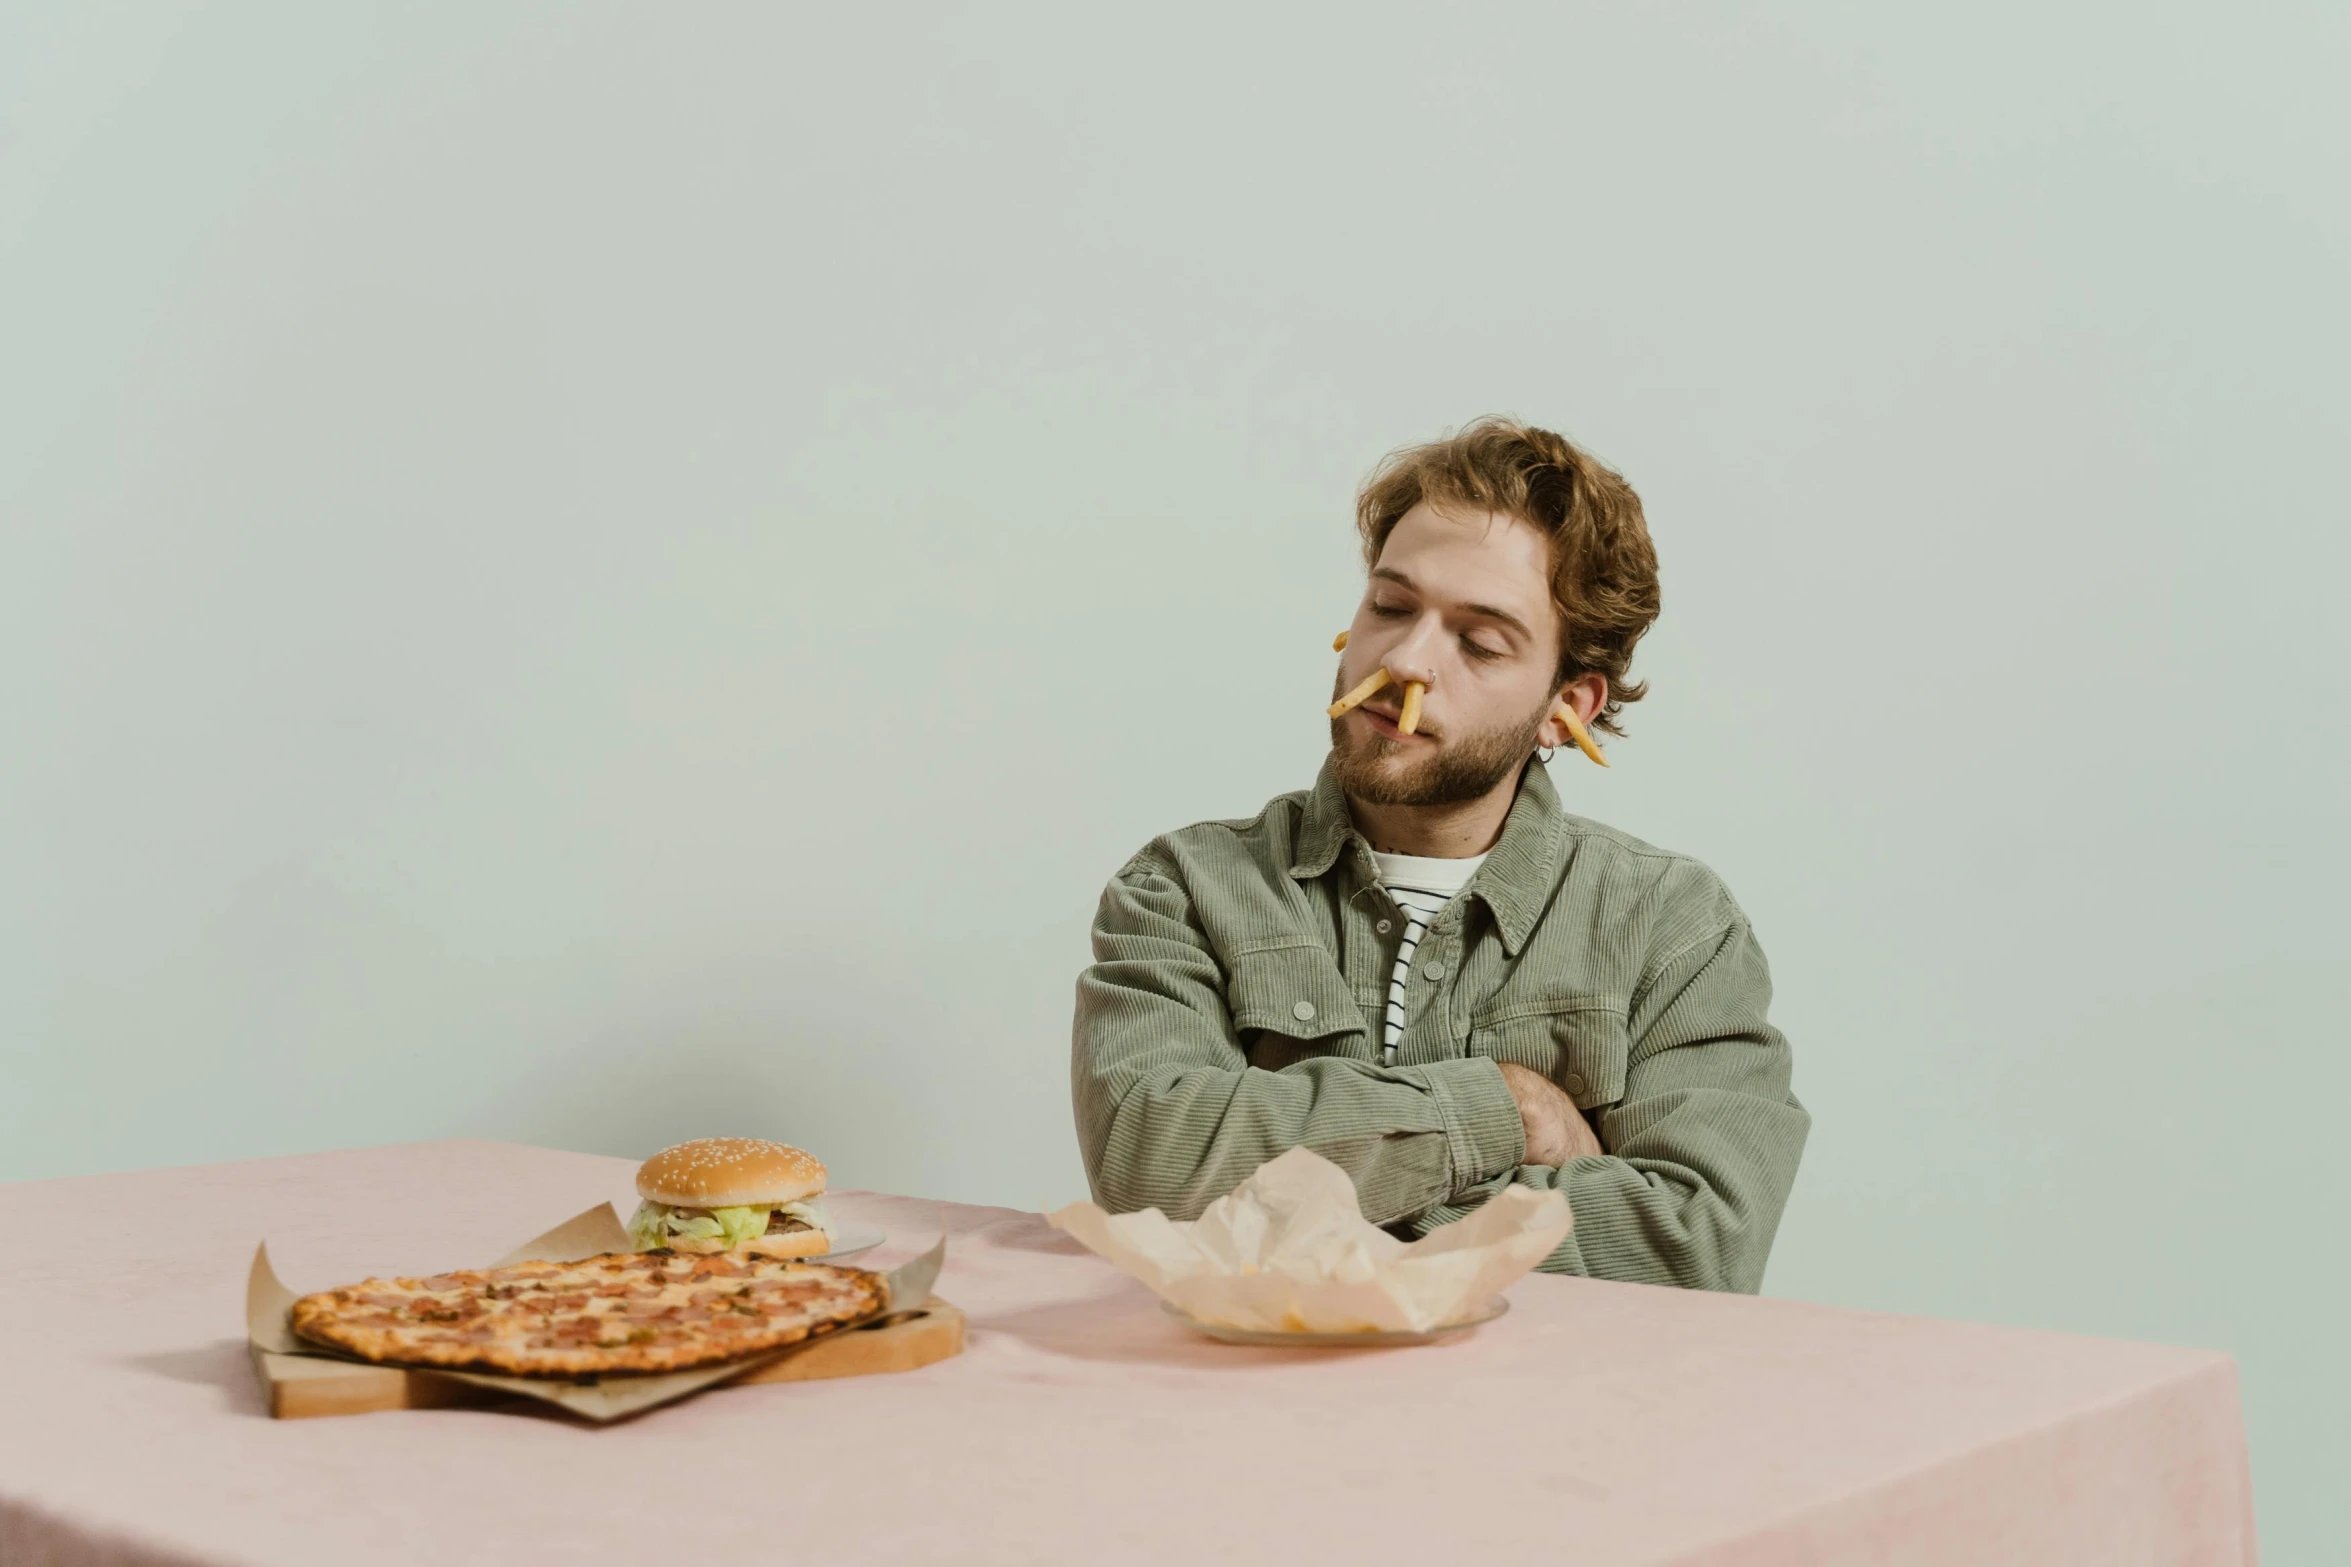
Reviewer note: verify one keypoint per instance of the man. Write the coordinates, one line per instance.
(1421, 968)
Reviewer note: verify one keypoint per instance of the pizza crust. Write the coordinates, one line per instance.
(623, 1312)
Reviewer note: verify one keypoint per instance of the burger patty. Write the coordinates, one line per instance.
(782, 1223)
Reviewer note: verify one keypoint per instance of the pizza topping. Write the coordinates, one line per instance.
(626, 1313)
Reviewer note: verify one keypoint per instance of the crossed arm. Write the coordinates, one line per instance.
(1681, 1182)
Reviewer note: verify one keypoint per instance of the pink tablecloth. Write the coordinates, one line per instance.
(1595, 1424)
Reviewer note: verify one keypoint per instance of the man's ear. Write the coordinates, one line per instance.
(1585, 693)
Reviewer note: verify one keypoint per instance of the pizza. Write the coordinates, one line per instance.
(644, 1311)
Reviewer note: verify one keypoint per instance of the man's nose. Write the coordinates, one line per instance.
(1415, 657)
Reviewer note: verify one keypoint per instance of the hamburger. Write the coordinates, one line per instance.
(733, 1194)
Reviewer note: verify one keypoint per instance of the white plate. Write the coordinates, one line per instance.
(849, 1240)
(1376, 1338)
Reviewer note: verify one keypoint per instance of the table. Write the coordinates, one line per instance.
(1596, 1423)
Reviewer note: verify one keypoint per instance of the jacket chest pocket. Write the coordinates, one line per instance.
(1579, 1042)
(1291, 1003)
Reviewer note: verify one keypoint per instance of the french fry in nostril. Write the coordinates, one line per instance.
(1579, 734)
(1377, 679)
(1409, 720)
(1339, 643)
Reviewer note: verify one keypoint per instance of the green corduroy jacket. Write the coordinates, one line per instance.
(1233, 1008)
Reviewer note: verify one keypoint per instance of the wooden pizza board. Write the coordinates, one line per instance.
(303, 1387)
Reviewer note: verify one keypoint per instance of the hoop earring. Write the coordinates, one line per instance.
(1543, 754)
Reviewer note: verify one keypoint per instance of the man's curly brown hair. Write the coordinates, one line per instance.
(1603, 567)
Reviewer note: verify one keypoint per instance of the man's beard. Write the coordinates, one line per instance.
(1463, 769)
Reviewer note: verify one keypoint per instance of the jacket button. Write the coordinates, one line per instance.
(1303, 1011)
(1573, 1083)
(1383, 927)
(1432, 971)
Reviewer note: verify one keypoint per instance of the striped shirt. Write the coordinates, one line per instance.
(1421, 887)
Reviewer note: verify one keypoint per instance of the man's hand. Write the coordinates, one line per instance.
(1556, 1129)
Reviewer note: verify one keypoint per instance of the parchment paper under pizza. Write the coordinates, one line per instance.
(276, 1348)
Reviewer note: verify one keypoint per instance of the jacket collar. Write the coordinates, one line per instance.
(1517, 878)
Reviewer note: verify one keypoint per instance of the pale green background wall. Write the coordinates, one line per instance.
(599, 574)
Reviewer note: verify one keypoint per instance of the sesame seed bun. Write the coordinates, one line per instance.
(730, 1172)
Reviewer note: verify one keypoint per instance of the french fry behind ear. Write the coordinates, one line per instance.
(1579, 734)
(1379, 678)
(1409, 720)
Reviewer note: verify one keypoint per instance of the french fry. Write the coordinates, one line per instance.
(1339, 643)
(1377, 679)
(1579, 734)
(1409, 719)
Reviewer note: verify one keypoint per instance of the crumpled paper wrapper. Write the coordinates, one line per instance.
(1289, 1251)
